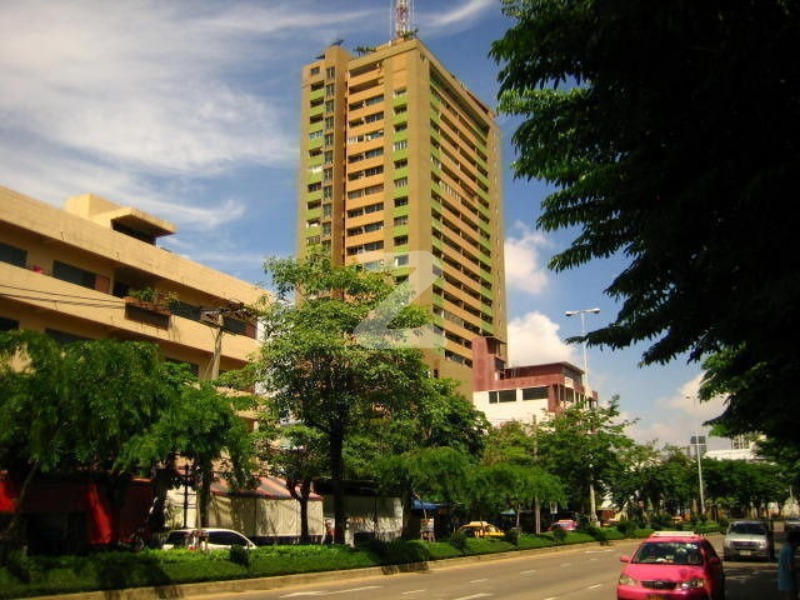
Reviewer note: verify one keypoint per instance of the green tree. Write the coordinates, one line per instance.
(514, 446)
(582, 446)
(669, 131)
(410, 450)
(199, 424)
(65, 408)
(112, 409)
(318, 370)
(751, 485)
(297, 453)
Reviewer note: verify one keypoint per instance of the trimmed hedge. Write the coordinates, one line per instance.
(39, 576)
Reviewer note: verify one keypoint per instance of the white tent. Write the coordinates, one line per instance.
(268, 511)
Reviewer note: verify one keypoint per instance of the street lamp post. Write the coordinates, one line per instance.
(697, 456)
(588, 392)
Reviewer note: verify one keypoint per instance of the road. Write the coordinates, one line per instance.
(583, 573)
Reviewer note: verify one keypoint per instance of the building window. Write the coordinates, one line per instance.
(401, 260)
(401, 201)
(330, 89)
(398, 221)
(62, 337)
(314, 71)
(329, 104)
(502, 396)
(402, 182)
(330, 72)
(75, 275)
(328, 139)
(401, 145)
(401, 240)
(327, 192)
(13, 255)
(535, 393)
(328, 122)
(8, 324)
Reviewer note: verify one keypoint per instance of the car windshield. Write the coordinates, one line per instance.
(748, 528)
(669, 553)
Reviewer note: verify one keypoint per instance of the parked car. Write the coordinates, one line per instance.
(749, 539)
(672, 564)
(480, 529)
(791, 523)
(565, 524)
(209, 538)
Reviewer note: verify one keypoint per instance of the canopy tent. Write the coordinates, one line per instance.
(267, 511)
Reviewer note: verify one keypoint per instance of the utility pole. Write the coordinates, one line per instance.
(215, 317)
(587, 391)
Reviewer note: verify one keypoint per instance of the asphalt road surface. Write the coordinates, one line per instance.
(584, 573)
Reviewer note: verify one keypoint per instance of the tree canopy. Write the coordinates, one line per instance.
(315, 367)
(670, 131)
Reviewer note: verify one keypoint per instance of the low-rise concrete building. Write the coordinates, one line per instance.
(85, 272)
(529, 394)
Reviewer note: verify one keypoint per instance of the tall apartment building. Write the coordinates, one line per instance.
(75, 274)
(399, 157)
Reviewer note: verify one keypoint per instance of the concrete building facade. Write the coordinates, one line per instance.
(83, 272)
(529, 394)
(400, 160)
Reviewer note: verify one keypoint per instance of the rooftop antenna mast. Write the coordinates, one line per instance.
(401, 17)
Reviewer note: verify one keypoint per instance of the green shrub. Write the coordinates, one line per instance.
(512, 536)
(239, 555)
(559, 535)
(459, 541)
(22, 567)
(441, 550)
(642, 533)
(528, 542)
(486, 546)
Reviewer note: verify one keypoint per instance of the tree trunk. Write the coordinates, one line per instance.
(204, 499)
(337, 481)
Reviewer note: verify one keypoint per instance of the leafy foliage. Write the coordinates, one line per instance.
(316, 368)
(670, 133)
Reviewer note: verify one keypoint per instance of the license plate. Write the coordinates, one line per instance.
(656, 597)
(745, 552)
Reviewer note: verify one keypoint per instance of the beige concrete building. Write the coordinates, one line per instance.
(399, 158)
(73, 273)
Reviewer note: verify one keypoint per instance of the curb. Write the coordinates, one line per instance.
(277, 582)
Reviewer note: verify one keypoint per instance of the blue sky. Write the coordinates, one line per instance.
(189, 109)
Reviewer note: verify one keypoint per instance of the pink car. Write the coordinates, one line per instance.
(672, 564)
(565, 524)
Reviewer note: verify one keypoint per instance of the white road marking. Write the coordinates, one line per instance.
(415, 592)
(479, 580)
(562, 565)
(473, 596)
(327, 593)
(531, 572)
(595, 586)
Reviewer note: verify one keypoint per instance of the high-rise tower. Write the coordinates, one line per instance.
(399, 157)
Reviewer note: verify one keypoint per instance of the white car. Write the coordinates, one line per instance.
(208, 538)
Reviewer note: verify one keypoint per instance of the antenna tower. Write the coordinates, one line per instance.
(401, 16)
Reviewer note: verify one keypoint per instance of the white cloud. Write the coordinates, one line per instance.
(533, 339)
(459, 17)
(524, 268)
(674, 419)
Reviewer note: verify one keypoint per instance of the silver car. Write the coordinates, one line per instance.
(749, 539)
(209, 539)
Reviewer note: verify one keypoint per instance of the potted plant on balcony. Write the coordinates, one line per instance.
(153, 300)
